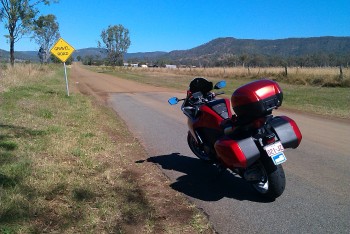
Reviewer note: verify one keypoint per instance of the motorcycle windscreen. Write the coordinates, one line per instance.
(237, 153)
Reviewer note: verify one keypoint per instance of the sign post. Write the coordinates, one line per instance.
(62, 50)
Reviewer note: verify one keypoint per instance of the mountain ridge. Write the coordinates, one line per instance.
(222, 48)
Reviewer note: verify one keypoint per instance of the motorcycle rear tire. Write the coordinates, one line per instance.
(273, 182)
(197, 149)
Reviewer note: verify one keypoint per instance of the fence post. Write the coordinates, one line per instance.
(341, 72)
(285, 70)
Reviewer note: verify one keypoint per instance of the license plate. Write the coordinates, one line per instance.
(275, 151)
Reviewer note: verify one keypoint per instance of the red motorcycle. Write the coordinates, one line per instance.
(250, 142)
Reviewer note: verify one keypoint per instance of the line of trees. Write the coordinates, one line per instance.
(19, 17)
(310, 60)
(251, 60)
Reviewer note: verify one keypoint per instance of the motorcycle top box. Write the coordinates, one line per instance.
(256, 99)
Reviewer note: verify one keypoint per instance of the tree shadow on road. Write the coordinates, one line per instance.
(205, 181)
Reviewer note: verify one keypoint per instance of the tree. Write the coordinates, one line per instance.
(45, 33)
(18, 16)
(117, 41)
(244, 58)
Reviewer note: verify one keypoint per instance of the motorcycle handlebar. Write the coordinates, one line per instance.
(198, 98)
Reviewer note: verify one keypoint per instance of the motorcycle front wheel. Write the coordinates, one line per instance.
(273, 180)
(197, 149)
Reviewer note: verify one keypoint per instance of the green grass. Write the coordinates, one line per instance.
(334, 102)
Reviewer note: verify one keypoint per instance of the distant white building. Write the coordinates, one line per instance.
(170, 66)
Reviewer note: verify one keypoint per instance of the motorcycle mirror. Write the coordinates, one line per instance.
(173, 101)
(220, 85)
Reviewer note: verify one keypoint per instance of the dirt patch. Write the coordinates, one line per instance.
(171, 211)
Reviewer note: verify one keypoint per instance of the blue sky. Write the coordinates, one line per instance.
(166, 25)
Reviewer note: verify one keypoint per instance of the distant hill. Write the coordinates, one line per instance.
(3, 53)
(145, 55)
(222, 48)
(331, 50)
(20, 55)
(280, 47)
(95, 52)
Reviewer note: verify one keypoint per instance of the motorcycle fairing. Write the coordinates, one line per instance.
(209, 119)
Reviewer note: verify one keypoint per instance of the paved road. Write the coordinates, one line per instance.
(316, 199)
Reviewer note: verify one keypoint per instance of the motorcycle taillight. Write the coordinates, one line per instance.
(269, 139)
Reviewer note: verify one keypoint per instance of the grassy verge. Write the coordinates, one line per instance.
(63, 170)
(299, 94)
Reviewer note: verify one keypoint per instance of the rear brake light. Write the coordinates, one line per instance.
(269, 139)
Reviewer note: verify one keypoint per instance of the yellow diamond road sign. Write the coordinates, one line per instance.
(62, 50)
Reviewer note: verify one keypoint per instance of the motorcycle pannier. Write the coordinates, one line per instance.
(256, 99)
(287, 131)
(235, 153)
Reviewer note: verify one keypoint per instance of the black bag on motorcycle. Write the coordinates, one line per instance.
(286, 130)
(236, 152)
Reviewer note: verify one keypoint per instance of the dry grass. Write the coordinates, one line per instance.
(329, 76)
(63, 170)
(14, 76)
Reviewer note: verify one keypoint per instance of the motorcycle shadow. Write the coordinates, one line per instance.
(205, 181)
